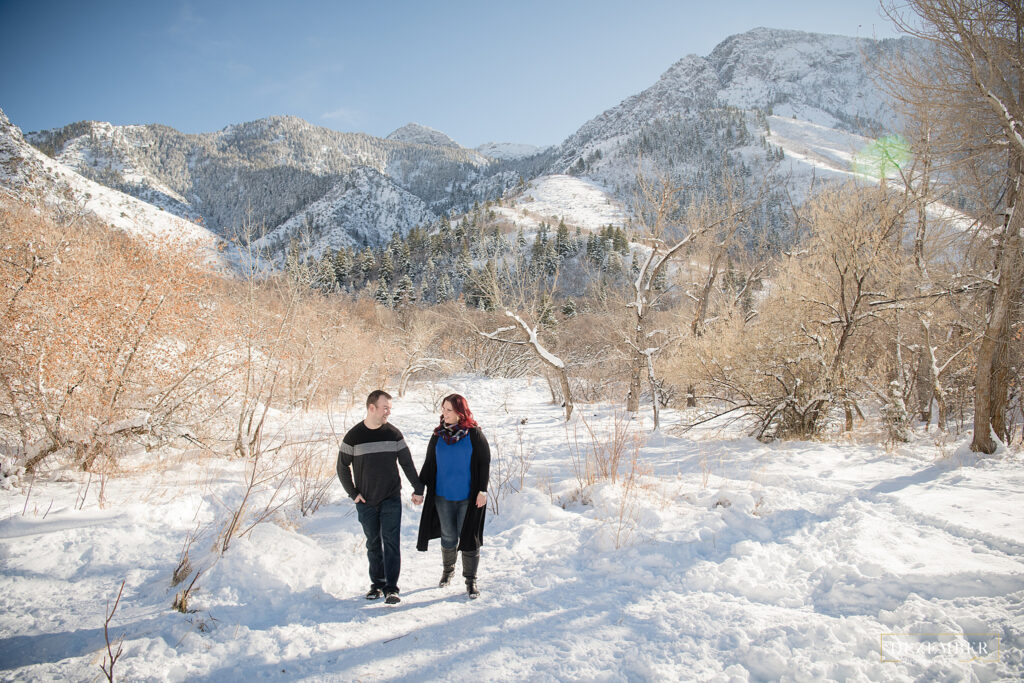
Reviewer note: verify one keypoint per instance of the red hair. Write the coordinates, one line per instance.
(461, 407)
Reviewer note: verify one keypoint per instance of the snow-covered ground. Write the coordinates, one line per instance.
(578, 201)
(726, 560)
(813, 148)
(508, 150)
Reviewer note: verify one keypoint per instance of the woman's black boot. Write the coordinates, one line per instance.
(470, 561)
(448, 557)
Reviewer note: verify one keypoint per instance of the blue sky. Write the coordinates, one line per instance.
(528, 71)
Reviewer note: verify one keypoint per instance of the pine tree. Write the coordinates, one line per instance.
(546, 314)
(550, 260)
(443, 289)
(367, 262)
(405, 293)
(619, 241)
(342, 263)
(323, 276)
(563, 245)
(386, 267)
(400, 256)
(595, 250)
(536, 252)
(382, 296)
(463, 264)
(445, 232)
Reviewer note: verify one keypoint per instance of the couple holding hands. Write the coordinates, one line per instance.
(454, 473)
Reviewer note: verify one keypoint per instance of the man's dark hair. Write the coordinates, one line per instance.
(375, 396)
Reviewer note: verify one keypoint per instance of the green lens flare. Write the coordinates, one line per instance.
(884, 156)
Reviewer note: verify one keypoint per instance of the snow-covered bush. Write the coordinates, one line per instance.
(10, 473)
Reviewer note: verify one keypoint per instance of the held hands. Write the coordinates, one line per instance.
(481, 499)
(417, 500)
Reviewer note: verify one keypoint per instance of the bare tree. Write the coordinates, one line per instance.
(975, 91)
(526, 298)
(657, 209)
(417, 332)
(934, 390)
(717, 247)
(818, 336)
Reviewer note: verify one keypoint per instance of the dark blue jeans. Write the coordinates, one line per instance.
(451, 514)
(382, 524)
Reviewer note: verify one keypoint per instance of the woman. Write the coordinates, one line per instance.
(455, 474)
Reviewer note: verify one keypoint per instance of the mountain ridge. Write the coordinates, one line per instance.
(703, 115)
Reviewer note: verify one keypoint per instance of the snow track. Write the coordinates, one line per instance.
(730, 560)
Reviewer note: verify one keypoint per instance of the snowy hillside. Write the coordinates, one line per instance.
(30, 173)
(717, 558)
(508, 150)
(579, 202)
(365, 208)
(824, 79)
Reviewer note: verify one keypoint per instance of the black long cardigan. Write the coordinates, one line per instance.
(472, 535)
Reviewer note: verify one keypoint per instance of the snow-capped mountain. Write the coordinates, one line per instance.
(265, 174)
(706, 114)
(824, 79)
(27, 175)
(762, 99)
(422, 135)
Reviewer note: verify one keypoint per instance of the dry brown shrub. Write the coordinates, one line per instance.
(823, 336)
(104, 338)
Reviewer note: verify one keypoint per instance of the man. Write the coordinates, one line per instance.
(368, 468)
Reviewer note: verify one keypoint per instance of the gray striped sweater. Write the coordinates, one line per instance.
(368, 463)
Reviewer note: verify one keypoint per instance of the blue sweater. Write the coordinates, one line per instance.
(453, 473)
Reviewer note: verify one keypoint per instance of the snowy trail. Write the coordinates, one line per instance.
(731, 560)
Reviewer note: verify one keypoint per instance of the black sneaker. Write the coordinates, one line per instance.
(393, 598)
(374, 594)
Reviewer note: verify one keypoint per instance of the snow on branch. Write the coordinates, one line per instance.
(531, 332)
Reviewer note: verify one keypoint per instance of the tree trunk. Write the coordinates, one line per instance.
(924, 381)
(654, 391)
(990, 385)
(637, 366)
(563, 380)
